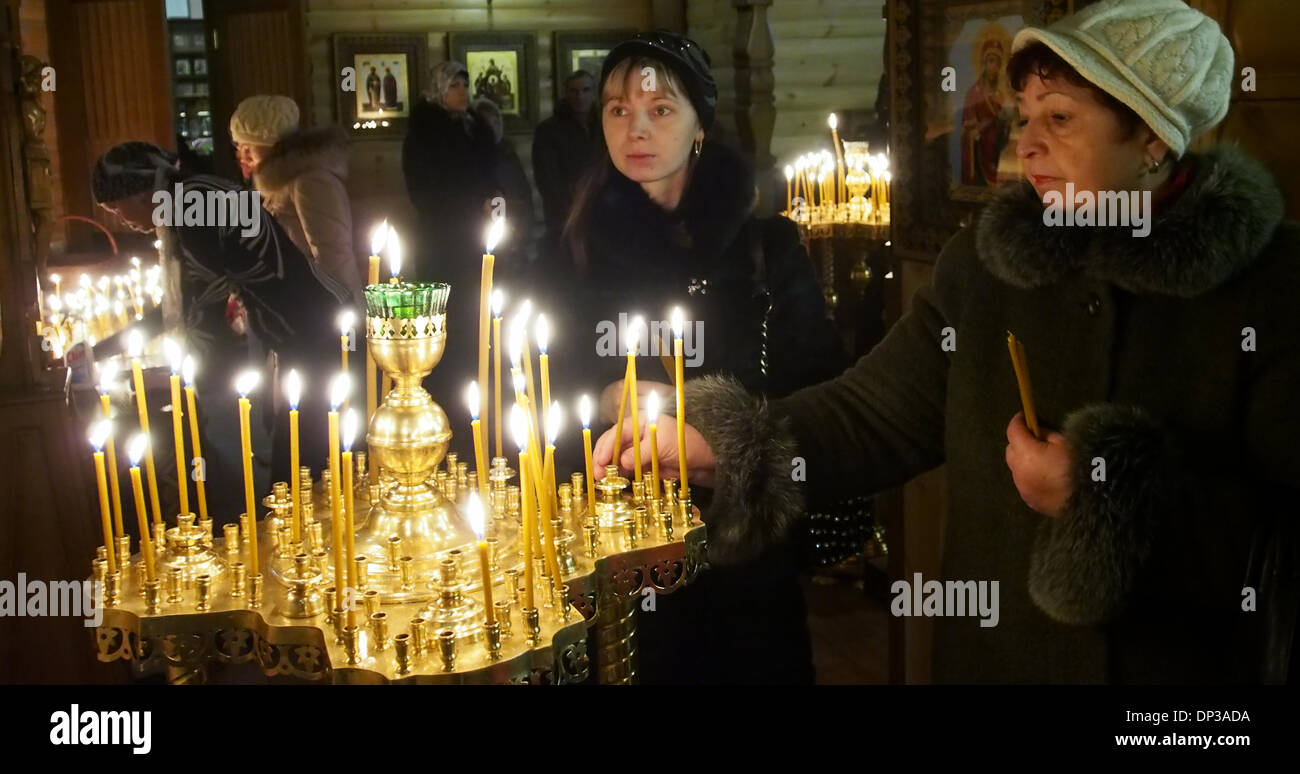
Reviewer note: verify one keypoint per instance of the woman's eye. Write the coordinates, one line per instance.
(1060, 118)
(618, 111)
(1020, 122)
(663, 110)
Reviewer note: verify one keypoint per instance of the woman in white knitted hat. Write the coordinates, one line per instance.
(301, 175)
(1118, 549)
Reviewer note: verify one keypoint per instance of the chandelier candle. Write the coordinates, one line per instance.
(105, 387)
(338, 392)
(135, 450)
(519, 428)
(584, 413)
(378, 236)
(101, 432)
(484, 559)
(135, 346)
(491, 239)
(293, 391)
(349, 431)
(498, 300)
(678, 325)
(472, 398)
(174, 358)
(187, 371)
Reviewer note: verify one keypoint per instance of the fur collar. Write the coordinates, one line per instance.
(629, 228)
(304, 151)
(1209, 234)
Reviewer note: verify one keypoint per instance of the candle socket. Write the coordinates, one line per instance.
(452, 459)
(642, 522)
(203, 599)
(638, 493)
(493, 564)
(512, 583)
(99, 569)
(284, 545)
(565, 610)
(302, 600)
(394, 553)
(501, 614)
(447, 647)
(630, 531)
(419, 635)
(315, 531)
(379, 630)
(152, 597)
(532, 624)
(493, 631)
(255, 591)
(578, 486)
(123, 551)
(371, 601)
(407, 567)
(462, 476)
(351, 639)
(231, 533)
(363, 470)
(141, 574)
(448, 583)
(563, 556)
(514, 512)
(175, 586)
(205, 527)
(684, 503)
(666, 525)
(339, 620)
(238, 579)
(361, 563)
(471, 483)
(402, 644)
(592, 533)
(113, 591)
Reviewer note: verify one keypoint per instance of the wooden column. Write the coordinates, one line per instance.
(753, 50)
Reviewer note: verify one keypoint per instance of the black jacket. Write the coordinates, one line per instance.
(563, 148)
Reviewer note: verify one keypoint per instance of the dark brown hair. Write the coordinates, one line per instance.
(1038, 59)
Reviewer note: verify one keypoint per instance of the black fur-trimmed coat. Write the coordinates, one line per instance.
(1175, 358)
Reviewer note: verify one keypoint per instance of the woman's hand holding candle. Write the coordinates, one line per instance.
(1039, 469)
(699, 456)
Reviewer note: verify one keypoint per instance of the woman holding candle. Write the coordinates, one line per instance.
(1166, 354)
(667, 219)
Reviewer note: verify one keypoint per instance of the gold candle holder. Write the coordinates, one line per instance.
(238, 579)
(351, 637)
(630, 531)
(113, 590)
(493, 631)
(315, 530)
(123, 551)
(419, 635)
(175, 586)
(512, 583)
(231, 533)
(152, 597)
(205, 528)
(501, 614)
(447, 647)
(684, 503)
(360, 562)
(99, 570)
(394, 553)
(255, 591)
(642, 522)
(407, 566)
(532, 625)
(339, 620)
(379, 630)
(564, 602)
(302, 600)
(370, 598)
(203, 599)
(402, 645)
(592, 533)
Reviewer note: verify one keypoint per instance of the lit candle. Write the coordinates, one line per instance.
(534, 418)
(789, 177)
(56, 279)
(349, 432)
(102, 431)
(484, 560)
(548, 485)
(633, 341)
(394, 249)
(135, 347)
(244, 385)
(491, 239)
(293, 391)
(174, 359)
(345, 320)
(681, 402)
(187, 371)
(519, 428)
(498, 299)
(542, 331)
(338, 392)
(584, 413)
(476, 429)
(652, 413)
(106, 381)
(833, 121)
(378, 236)
(136, 448)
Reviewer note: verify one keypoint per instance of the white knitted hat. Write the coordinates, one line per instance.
(1168, 62)
(263, 119)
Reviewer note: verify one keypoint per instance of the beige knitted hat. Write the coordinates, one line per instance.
(1168, 62)
(263, 119)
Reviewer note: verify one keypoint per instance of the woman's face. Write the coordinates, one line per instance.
(249, 157)
(650, 134)
(1068, 136)
(456, 97)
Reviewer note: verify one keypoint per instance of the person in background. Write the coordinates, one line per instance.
(514, 187)
(301, 175)
(563, 149)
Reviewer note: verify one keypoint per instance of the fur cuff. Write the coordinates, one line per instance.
(754, 497)
(1085, 563)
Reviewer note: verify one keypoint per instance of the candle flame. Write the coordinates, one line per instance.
(542, 331)
(833, 121)
(519, 426)
(84, 281)
(56, 279)
(498, 301)
(516, 339)
(679, 322)
(475, 514)
(378, 236)
(472, 399)
(634, 334)
(494, 233)
(135, 343)
(293, 388)
(584, 412)
(245, 383)
(107, 376)
(346, 318)
(187, 370)
(99, 433)
(517, 380)
(394, 248)
(135, 448)
(338, 391)
(553, 418)
(652, 407)
(789, 173)
(349, 430)
(174, 355)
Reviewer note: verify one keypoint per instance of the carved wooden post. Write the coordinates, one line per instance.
(755, 100)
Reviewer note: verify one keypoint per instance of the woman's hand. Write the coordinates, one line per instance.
(1040, 469)
(699, 457)
(613, 394)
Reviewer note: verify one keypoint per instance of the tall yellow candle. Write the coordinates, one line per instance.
(345, 321)
(833, 121)
(497, 300)
(178, 431)
(244, 385)
(548, 486)
(349, 432)
(622, 411)
(484, 558)
(789, 176)
(491, 239)
(101, 433)
(543, 332)
(105, 385)
(534, 418)
(652, 414)
(476, 429)
(637, 325)
(519, 428)
(378, 236)
(200, 484)
(338, 391)
(135, 346)
(135, 450)
(584, 413)
(293, 391)
(678, 325)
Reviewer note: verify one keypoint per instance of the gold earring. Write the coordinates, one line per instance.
(1154, 167)
(699, 144)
